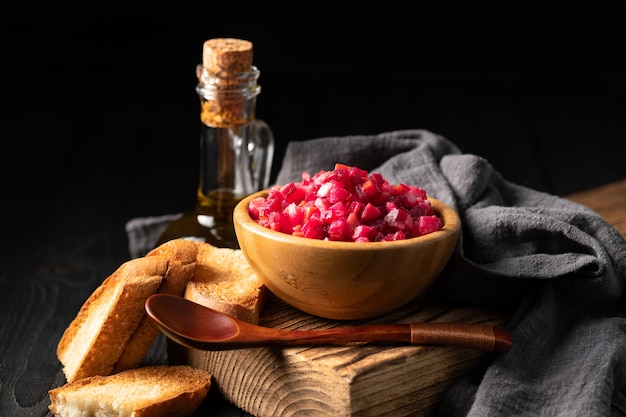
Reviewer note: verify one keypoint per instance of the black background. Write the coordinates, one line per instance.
(99, 106)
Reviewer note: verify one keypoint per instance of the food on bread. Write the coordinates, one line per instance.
(152, 391)
(224, 281)
(94, 340)
(182, 263)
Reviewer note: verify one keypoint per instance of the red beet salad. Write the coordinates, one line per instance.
(346, 204)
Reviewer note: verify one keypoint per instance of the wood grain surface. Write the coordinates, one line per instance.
(342, 381)
(607, 200)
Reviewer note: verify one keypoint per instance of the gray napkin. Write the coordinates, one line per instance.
(558, 265)
(144, 232)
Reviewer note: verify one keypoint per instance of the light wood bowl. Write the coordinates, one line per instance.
(345, 280)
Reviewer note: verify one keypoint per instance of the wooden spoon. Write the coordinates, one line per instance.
(196, 326)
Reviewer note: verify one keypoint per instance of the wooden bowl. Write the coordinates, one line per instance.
(345, 280)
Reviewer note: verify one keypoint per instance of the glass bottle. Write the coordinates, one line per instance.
(236, 149)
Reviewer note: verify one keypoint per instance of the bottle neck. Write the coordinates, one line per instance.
(227, 100)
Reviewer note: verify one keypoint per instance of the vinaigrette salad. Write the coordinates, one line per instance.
(346, 204)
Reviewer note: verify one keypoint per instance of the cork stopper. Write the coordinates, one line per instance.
(226, 55)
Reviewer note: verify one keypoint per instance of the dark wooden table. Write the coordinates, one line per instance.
(40, 292)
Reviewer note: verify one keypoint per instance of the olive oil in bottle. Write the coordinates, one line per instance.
(236, 149)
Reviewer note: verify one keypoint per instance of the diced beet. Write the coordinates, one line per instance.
(338, 194)
(347, 203)
(324, 189)
(338, 229)
(399, 219)
(422, 208)
(292, 193)
(429, 224)
(353, 221)
(361, 233)
(321, 203)
(359, 175)
(342, 167)
(366, 190)
(381, 198)
(370, 212)
(356, 207)
(254, 208)
(313, 228)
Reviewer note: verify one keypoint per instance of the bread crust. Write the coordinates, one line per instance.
(179, 392)
(182, 264)
(95, 339)
(224, 281)
(106, 342)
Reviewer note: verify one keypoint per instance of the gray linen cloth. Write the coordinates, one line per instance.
(558, 265)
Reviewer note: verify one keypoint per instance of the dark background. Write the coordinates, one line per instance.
(100, 119)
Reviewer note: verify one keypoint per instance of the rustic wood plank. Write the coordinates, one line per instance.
(354, 380)
(608, 200)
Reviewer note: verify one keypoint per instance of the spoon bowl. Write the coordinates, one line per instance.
(193, 325)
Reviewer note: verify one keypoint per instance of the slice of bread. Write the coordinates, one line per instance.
(152, 391)
(111, 331)
(224, 281)
(182, 263)
(93, 342)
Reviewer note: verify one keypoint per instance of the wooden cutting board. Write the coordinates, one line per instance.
(355, 380)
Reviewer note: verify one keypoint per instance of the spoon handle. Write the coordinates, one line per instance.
(476, 336)
(470, 335)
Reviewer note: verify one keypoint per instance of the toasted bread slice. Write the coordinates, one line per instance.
(152, 391)
(182, 263)
(93, 342)
(224, 281)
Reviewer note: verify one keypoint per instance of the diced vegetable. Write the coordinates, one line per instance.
(346, 204)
